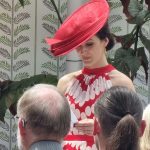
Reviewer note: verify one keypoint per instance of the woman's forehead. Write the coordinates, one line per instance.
(91, 39)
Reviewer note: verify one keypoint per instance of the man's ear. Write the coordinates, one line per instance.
(21, 127)
(142, 127)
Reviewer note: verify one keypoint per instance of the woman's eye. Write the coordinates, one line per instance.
(89, 44)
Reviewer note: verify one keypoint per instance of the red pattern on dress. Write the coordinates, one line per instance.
(85, 89)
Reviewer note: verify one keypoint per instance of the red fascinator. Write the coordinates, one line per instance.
(80, 26)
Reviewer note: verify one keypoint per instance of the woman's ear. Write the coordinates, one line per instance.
(142, 127)
(106, 41)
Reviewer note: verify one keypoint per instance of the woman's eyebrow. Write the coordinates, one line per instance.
(89, 40)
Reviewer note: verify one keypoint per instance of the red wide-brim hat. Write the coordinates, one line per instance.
(80, 26)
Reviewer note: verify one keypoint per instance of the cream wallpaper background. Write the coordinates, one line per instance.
(24, 53)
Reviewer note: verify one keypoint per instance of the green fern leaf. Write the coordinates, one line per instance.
(4, 4)
(114, 5)
(21, 28)
(116, 29)
(135, 7)
(4, 53)
(5, 40)
(20, 64)
(49, 5)
(4, 76)
(3, 135)
(20, 51)
(141, 90)
(63, 7)
(21, 76)
(145, 32)
(18, 5)
(4, 65)
(48, 53)
(7, 115)
(5, 17)
(62, 68)
(44, 72)
(64, 16)
(14, 147)
(3, 147)
(4, 125)
(114, 18)
(14, 127)
(13, 139)
(20, 17)
(62, 58)
(49, 28)
(21, 40)
(5, 29)
(43, 41)
(50, 65)
(51, 18)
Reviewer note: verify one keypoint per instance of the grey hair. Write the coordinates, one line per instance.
(46, 110)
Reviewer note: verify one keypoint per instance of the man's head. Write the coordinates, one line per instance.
(44, 114)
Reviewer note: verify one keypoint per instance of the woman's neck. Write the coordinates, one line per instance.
(102, 63)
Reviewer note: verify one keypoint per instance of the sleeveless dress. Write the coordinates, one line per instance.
(85, 89)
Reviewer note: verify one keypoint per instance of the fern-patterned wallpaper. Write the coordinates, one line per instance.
(49, 23)
(23, 51)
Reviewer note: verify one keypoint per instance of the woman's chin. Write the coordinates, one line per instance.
(88, 66)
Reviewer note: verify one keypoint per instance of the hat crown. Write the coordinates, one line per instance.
(81, 19)
(80, 26)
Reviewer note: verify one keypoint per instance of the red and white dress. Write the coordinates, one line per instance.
(82, 94)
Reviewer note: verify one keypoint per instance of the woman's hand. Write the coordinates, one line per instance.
(85, 126)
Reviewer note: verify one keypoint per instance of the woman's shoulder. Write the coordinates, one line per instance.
(69, 76)
(65, 80)
(120, 79)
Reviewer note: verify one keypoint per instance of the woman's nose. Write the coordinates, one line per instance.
(83, 50)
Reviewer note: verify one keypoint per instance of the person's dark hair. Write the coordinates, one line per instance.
(119, 112)
(105, 33)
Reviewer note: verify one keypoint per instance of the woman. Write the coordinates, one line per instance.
(123, 126)
(86, 30)
(145, 139)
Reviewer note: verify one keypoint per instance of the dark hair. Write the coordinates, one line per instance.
(119, 112)
(105, 33)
